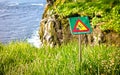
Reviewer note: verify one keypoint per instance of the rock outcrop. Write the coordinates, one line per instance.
(54, 30)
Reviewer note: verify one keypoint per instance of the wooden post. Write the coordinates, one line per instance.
(80, 53)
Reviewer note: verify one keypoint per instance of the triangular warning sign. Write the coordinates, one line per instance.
(80, 27)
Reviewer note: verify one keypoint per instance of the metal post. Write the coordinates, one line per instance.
(80, 53)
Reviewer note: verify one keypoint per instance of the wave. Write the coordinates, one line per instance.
(34, 40)
(13, 4)
(37, 4)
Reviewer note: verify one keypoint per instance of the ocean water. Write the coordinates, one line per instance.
(20, 21)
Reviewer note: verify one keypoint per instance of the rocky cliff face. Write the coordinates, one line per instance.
(54, 30)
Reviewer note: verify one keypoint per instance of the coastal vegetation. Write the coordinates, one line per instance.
(105, 13)
(21, 58)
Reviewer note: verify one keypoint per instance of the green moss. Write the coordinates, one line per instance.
(100, 11)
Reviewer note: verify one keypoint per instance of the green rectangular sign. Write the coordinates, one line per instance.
(80, 25)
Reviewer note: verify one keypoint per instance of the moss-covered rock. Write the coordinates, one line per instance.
(55, 30)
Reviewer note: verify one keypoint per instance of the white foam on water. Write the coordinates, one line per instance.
(37, 4)
(13, 4)
(35, 40)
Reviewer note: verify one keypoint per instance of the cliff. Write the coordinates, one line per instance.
(104, 18)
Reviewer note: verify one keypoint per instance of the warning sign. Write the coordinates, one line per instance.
(80, 25)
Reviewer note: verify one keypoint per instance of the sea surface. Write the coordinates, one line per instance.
(20, 21)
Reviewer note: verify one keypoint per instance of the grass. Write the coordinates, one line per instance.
(20, 58)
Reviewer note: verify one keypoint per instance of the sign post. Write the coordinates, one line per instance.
(78, 26)
(80, 54)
